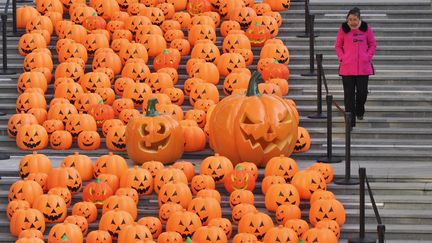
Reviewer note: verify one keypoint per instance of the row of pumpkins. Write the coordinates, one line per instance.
(189, 204)
(120, 41)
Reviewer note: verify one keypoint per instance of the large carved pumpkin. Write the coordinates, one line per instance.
(258, 127)
(154, 137)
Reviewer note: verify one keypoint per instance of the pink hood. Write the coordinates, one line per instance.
(355, 49)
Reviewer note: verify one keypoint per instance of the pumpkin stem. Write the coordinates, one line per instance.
(238, 167)
(165, 51)
(100, 102)
(64, 238)
(257, 23)
(98, 180)
(252, 89)
(276, 61)
(151, 108)
(188, 240)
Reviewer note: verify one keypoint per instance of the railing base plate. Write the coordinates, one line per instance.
(317, 116)
(331, 160)
(310, 74)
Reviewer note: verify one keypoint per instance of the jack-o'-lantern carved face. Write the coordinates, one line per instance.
(178, 193)
(29, 42)
(27, 219)
(241, 209)
(201, 32)
(71, 70)
(127, 114)
(136, 92)
(276, 51)
(241, 196)
(281, 194)
(114, 220)
(217, 167)
(139, 179)
(261, 8)
(185, 223)
(205, 208)
(15, 205)
(205, 50)
(134, 22)
(63, 192)
(136, 71)
(197, 115)
(303, 140)
(53, 125)
(153, 167)
(17, 120)
(330, 209)
(183, 18)
(201, 182)
(155, 15)
(116, 138)
(156, 136)
(32, 137)
(286, 212)
(203, 91)
(159, 81)
(235, 41)
(298, 225)
(59, 112)
(52, 207)
(244, 16)
(235, 81)
(167, 209)
(255, 223)
(27, 100)
(307, 182)
(88, 140)
(93, 80)
(230, 61)
(135, 8)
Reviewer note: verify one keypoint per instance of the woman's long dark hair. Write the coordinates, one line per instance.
(354, 11)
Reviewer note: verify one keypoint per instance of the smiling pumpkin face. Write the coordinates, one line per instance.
(154, 137)
(281, 194)
(52, 207)
(17, 120)
(32, 137)
(206, 208)
(256, 223)
(167, 209)
(185, 223)
(176, 193)
(27, 219)
(113, 220)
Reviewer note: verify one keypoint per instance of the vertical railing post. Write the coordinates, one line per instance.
(306, 33)
(329, 158)
(347, 179)
(362, 221)
(311, 47)
(381, 233)
(14, 19)
(4, 41)
(319, 114)
(4, 69)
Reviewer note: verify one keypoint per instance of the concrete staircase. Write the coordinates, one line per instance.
(393, 142)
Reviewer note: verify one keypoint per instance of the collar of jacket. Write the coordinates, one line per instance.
(347, 29)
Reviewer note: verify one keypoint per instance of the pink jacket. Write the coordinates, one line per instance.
(355, 49)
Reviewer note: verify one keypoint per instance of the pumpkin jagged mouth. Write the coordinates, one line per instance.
(244, 24)
(156, 146)
(142, 190)
(32, 145)
(138, 101)
(283, 60)
(265, 145)
(119, 145)
(52, 218)
(26, 51)
(113, 234)
(299, 147)
(240, 188)
(56, 144)
(257, 41)
(14, 133)
(74, 188)
(99, 122)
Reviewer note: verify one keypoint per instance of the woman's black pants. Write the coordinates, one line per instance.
(355, 95)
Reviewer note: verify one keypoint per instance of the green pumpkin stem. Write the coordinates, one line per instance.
(188, 240)
(165, 51)
(64, 238)
(151, 108)
(100, 102)
(98, 180)
(238, 167)
(252, 89)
